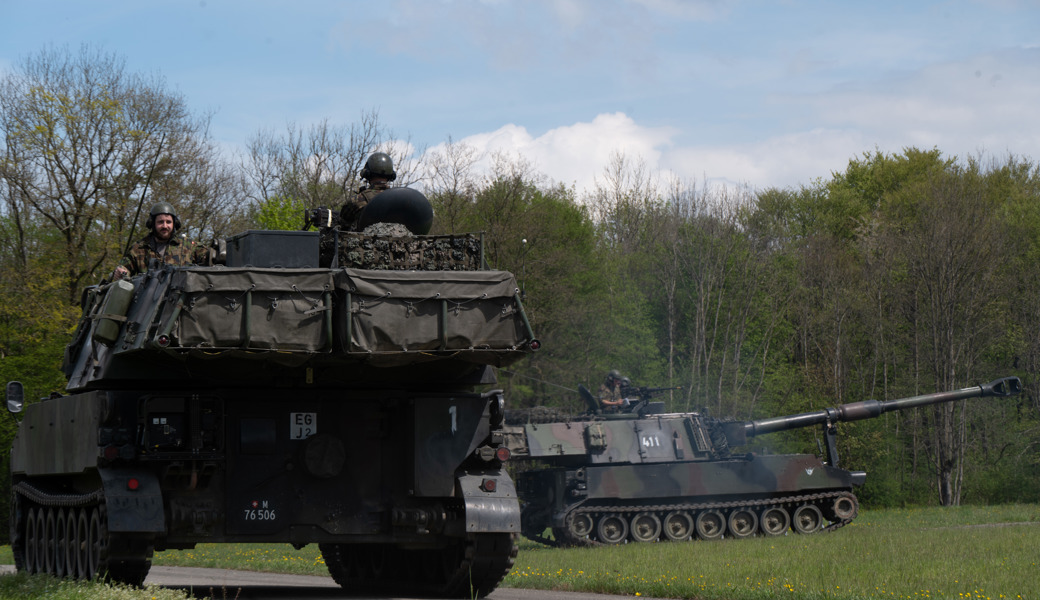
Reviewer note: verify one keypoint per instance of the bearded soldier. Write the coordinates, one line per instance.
(160, 244)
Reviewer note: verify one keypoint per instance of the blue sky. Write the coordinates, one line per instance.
(742, 92)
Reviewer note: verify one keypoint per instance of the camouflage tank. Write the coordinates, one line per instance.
(320, 387)
(644, 475)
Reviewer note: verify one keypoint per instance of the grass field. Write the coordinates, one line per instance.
(956, 553)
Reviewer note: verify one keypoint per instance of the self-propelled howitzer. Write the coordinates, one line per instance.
(320, 387)
(646, 475)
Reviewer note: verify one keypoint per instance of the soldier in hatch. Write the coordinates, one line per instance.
(378, 172)
(159, 244)
(610, 392)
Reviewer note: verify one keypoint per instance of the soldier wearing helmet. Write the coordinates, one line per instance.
(378, 172)
(160, 244)
(610, 391)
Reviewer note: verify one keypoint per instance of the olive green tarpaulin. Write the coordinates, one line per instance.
(260, 309)
(394, 312)
(381, 317)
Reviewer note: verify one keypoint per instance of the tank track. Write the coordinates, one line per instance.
(118, 558)
(470, 569)
(564, 537)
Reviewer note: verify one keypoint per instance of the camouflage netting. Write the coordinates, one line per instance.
(393, 250)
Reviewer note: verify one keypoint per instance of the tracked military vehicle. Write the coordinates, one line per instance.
(321, 387)
(642, 475)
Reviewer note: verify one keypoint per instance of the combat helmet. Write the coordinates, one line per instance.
(162, 208)
(379, 165)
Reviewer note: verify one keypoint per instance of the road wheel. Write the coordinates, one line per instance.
(710, 524)
(32, 542)
(61, 549)
(807, 519)
(678, 526)
(82, 544)
(774, 521)
(581, 525)
(97, 545)
(742, 523)
(612, 529)
(41, 540)
(646, 527)
(845, 507)
(49, 541)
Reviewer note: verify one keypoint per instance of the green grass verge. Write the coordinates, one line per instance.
(24, 587)
(966, 552)
(957, 553)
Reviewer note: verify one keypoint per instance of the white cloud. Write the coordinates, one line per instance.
(981, 105)
(575, 154)
(785, 161)
(578, 154)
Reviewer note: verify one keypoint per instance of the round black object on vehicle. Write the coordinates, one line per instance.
(400, 205)
(324, 456)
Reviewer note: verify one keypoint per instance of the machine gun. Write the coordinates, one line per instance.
(645, 393)
(319, 217)
(637, 398)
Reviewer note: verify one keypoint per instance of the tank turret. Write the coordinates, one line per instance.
(319, 387)
(645, 475)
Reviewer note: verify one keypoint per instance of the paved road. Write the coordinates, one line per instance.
(248, 585)
(245, 585)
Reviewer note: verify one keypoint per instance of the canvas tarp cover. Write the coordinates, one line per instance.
(287, 310)
(471, 313)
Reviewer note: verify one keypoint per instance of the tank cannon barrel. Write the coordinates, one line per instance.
(869, 409)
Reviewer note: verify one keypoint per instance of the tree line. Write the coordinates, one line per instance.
(904, 274)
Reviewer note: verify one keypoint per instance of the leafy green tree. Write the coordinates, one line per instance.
(539, 233)
(280, 213)
(734, 305)
(86, 146)
(321, 166)
(918, 238)
(630, 215)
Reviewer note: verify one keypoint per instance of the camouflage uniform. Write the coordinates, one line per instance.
(350, 214)
(612, 395)
(143, 251)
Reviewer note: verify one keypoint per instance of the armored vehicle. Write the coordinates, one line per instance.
(644, 475)
(319, 387)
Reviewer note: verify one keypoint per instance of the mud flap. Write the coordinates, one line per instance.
(133, 501)
(490, 512)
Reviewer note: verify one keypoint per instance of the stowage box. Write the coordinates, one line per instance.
(286, 249)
